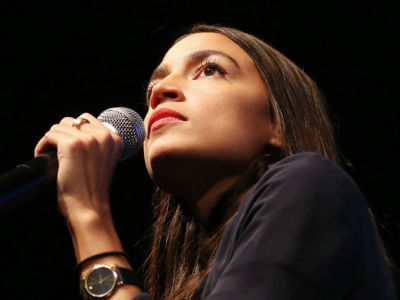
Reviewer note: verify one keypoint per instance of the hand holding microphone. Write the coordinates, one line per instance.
(87, 152)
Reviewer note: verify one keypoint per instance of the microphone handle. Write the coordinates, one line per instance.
(27, 181)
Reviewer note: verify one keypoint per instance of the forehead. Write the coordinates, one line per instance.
(206, 41)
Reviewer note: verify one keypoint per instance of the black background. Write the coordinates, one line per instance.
(63, 58)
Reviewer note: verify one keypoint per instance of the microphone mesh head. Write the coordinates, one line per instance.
(128, 125)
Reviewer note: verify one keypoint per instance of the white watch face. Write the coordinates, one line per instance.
(101, 281)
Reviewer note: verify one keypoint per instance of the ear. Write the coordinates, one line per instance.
(275, 141)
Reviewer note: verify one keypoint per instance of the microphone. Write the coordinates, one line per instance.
(38, 175)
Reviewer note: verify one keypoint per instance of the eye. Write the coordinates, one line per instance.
(210, 68)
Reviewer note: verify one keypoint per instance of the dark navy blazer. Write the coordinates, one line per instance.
(302, 232)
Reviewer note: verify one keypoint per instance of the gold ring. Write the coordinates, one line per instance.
(79, 121)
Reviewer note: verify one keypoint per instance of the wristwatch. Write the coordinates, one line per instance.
(102, 281)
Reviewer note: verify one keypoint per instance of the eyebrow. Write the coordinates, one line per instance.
(162, 70)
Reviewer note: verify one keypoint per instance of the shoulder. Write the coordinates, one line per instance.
(305, 166)
(306, 187)
(307, 173)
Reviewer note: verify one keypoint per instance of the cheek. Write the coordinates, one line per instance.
(234, 110)
(236, 124)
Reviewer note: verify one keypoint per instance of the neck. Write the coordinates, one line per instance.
(200, 187)
(202, 204)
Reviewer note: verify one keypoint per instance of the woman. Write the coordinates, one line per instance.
(250, 201)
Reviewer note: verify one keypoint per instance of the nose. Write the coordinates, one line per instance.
(165, 90)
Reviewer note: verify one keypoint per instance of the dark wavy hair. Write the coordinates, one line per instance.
(183, 250)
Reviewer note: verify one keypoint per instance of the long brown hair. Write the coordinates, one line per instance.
(182, 249)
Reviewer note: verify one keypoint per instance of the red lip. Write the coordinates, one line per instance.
(163, 113)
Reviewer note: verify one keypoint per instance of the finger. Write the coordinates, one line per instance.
(76, 123)
(88, 116)
(92, 120)
(48, 141)
(92, 138)
(67, 121)
(97, 128)
(59, 134)
(71, 126)
(102, 131)
(88, 120)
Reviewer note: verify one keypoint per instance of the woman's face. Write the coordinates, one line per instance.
(207, 109)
